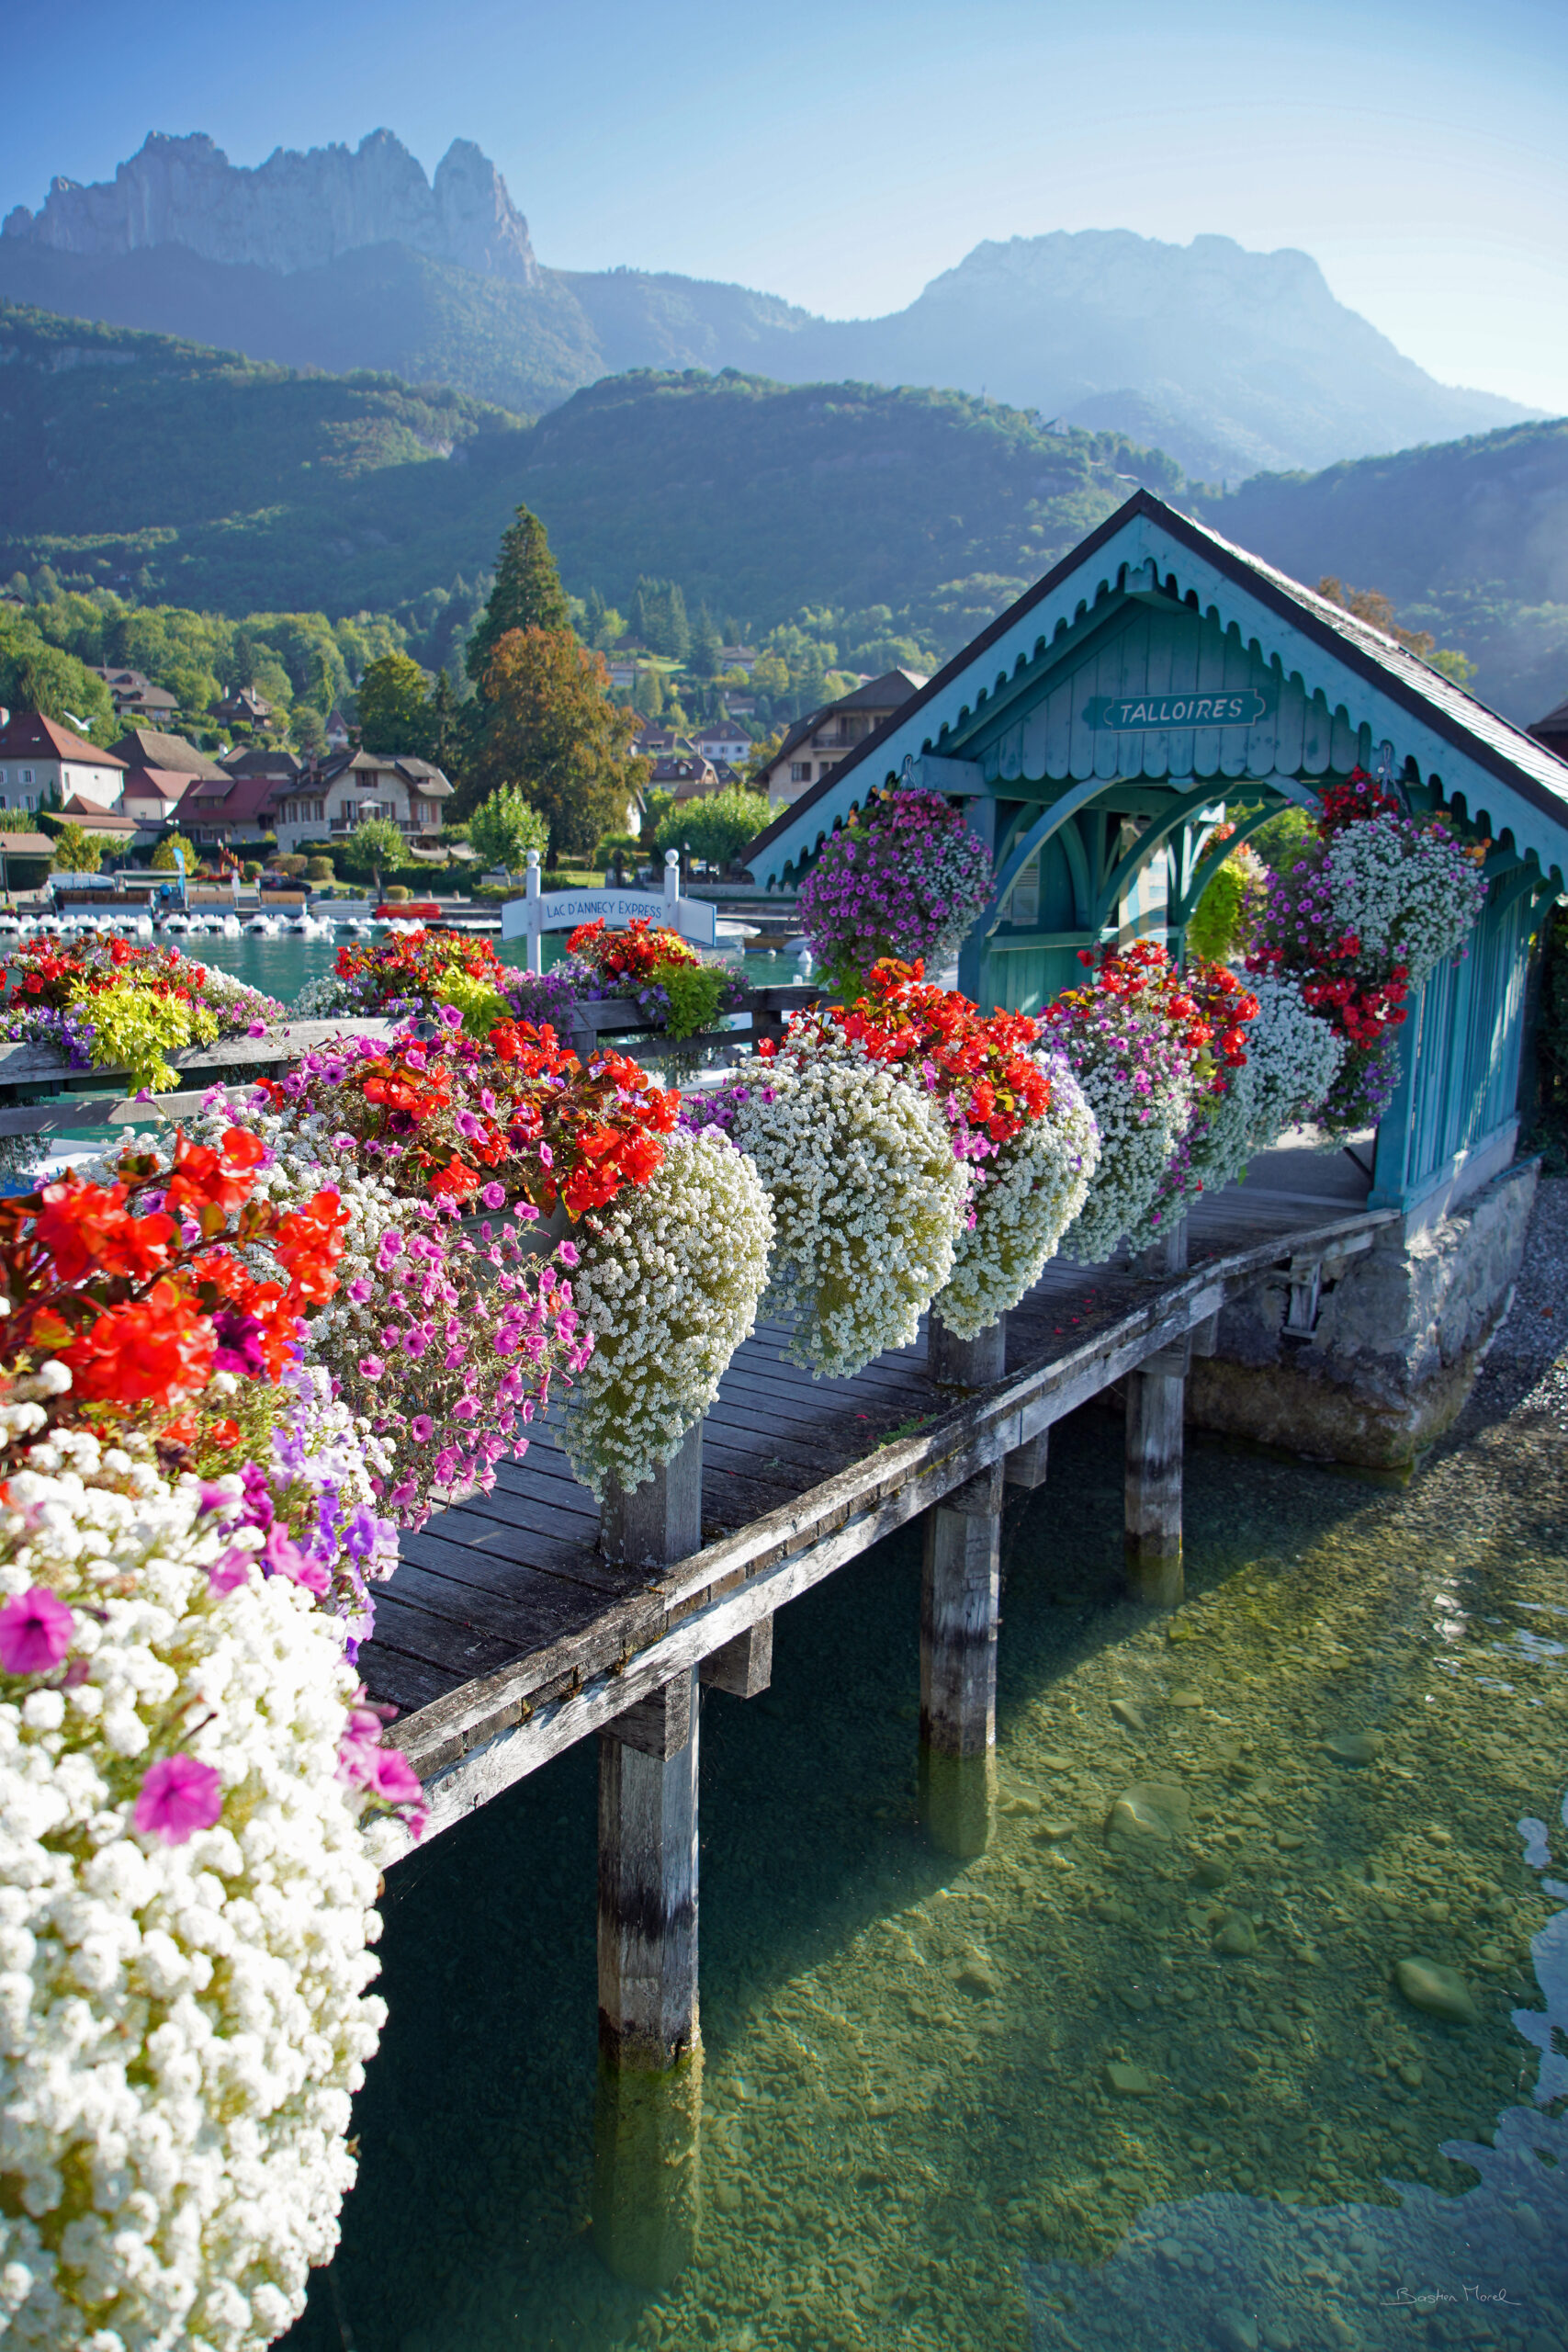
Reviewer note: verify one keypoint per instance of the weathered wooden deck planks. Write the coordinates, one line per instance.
(504, 1635)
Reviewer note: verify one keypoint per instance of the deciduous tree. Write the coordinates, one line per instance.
(393, 715)
(76, 852)
(553, 731)
(507, 827)
(373, 846)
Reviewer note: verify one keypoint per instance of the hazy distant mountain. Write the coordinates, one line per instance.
(1235, 362)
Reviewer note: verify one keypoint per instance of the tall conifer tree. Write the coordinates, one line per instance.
(527, 593)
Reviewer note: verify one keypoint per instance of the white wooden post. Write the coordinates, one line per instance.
(671, 880)
(536, 936)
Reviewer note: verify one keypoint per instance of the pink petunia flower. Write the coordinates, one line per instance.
(178, 1796)
(35, 1631)
(230, 1571)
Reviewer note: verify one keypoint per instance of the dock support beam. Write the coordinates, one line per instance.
(648, 1880)
(661, 1520)
(647, 2207)
(960, 1606)
(646, 2199)
(1157, 1404)
(966, 1363)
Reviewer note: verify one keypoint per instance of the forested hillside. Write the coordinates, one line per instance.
(1469, 538)
(889, 524)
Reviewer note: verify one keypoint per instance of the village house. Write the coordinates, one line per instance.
(223, 810)
(131, 693)
(737, 657)
(326, 802)
(151, 747)
(723, 742)
(683, 774)
(44, 766)
(815, 744)
(152, 798)
(246, 708)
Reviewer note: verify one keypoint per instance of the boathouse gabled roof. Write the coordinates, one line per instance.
(1147, 555)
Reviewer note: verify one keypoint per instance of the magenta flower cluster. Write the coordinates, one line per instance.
(906, 880)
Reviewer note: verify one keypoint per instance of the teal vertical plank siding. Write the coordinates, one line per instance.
(1458, 1058)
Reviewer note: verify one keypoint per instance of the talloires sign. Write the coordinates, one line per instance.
(1135, 714)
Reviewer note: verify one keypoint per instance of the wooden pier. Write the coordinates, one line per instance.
(512, 1628)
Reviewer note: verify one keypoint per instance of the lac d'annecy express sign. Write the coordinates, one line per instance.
(540, 910)
(1137, 714)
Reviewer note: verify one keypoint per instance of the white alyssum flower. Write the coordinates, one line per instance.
(182, 2025)
(323, 995)
(1140, 1090)
(1032, 1189)
(868, 1200)
(1292, 1058)
(668, 1278)
(1408, 893)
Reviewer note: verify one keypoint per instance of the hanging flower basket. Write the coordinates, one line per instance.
(1359, 921)
(1017, 1120)
(905, 878)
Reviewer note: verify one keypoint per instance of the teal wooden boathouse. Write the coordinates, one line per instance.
(1093, 734)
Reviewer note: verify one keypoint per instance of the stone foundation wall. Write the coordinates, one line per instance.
(1400, 1332)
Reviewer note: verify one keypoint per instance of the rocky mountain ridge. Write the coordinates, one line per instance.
(295, 211)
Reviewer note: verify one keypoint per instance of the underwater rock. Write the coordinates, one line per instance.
(1237, 1936)
(979, 1977)
(1053, 1832)
(1151, 1810)
(1212, 1869)
(1354, 1747)
(1187, 1698)
(1057, 1763)
(1427, 1985)
(1129, 2082)
(1126, 1713)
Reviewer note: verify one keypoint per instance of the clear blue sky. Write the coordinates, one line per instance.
(842, 154)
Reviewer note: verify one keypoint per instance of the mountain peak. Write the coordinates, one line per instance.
(295, 211)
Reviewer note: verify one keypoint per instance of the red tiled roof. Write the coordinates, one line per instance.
(27, 731)
(97, 820)
(168, 784)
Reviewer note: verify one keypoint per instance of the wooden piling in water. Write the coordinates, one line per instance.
(647, 1881)
(966, 1363)
(960, 1605)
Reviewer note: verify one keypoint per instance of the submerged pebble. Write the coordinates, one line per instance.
(1354, 1746)
(1442, 1992)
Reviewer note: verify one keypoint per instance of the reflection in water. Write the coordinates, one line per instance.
(1485, 2266)
(957, 1801)
(647, 2170)
(969, 2104)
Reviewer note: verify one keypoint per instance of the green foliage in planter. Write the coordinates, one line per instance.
(693, 990)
